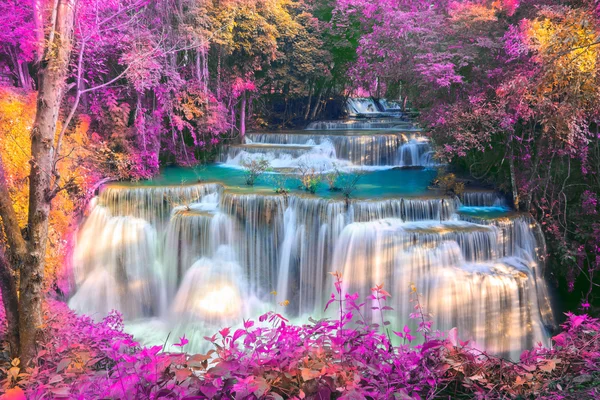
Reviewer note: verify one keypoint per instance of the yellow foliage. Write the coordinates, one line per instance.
(564, 43)
(16, 117)
(449, 183)
(471, 13)
(252, 29)
(566, 39)
(17, 113)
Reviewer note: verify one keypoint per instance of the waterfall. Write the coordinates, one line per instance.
(151, 203)
(191, 234)
(312, 227)
(369, 107)
(356, 125)
(268, 151)
(390, 105)
(483, 199)
(212, 291)
(459, 270)
(258, 233)
(322, 157)
(417, 152)
(365, 149)
(524, 240)
(362, 106)
(406, 209)
(287, 150)
(194, 258)
(116, 266)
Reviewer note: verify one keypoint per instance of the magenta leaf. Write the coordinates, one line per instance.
(182, 341)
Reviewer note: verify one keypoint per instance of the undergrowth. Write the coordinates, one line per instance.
(349, 357)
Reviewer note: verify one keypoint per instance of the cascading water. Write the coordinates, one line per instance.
(212, 291)
(340, 146)
(369, 107)
(363, 107)
(483, 199)
(321, 156)
(193, 258)
(357, 147)
(384, 124)
(390, 105)
(415, 153)
(152, 203)
(116, 266)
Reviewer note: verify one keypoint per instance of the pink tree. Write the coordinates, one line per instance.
(240, 90)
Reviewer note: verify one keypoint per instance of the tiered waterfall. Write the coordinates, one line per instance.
(191, 257)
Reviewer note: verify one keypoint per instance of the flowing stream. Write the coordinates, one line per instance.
(195, 250)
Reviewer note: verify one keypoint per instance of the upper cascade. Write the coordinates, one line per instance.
(358, 147)
(326, 145)
(390, 106)
(370, 107)
(194, 257)
(363, 106)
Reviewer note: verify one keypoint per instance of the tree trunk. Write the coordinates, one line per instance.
(317, 105)
(219, 74)
(321, 104)
(138, 110)
(24, 78)
(198, 66)
(27, 81)
(243, 117)
(12, 231)
(310, 94)
(232, 123)
(250, 108)
(513, 179)
(202, 68)
(51, 78)
(10, 301)
(205, 76)
(13, 253)
(20, 70)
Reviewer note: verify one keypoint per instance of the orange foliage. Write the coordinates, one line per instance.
(17, 112)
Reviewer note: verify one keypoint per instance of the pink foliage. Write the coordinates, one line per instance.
(240, 85)
(273, 359)
(515, 41)
(589, 202)
(18, 30)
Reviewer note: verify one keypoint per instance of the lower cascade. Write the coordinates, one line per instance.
(176, 256)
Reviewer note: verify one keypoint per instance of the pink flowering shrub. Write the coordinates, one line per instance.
(343, 358)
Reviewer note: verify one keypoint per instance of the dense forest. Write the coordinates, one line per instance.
(99, 91)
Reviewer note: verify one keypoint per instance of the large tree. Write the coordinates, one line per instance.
(26, 250)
